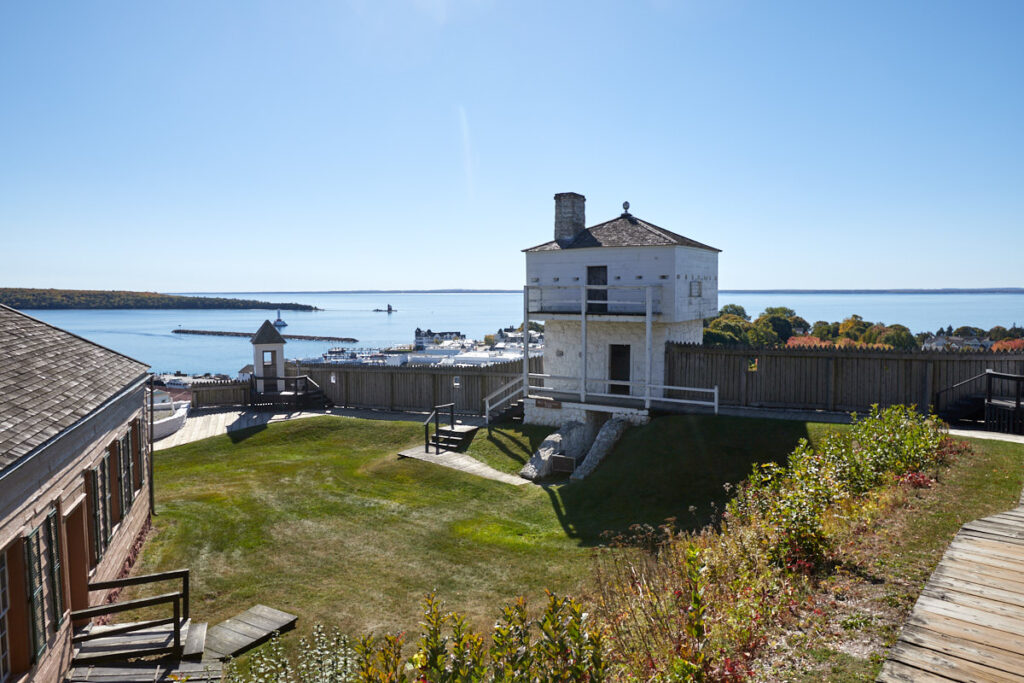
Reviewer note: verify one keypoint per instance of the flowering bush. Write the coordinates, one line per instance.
(567, 650)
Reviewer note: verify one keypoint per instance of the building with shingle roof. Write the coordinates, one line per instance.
(74, 484)
(611, 297)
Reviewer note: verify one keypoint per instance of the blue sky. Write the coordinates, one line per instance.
(226, 146)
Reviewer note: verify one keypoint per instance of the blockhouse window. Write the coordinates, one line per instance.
(695, 288)
(5, 603)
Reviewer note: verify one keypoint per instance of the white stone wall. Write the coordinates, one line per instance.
(578, 412)
(671, 268)
(700, 265)
(563, 350)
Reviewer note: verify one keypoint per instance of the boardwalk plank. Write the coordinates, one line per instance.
(898, 672)
(995, 657)
(967, 631)
(947, 665)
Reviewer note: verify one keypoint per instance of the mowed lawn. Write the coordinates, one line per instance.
(319, 517)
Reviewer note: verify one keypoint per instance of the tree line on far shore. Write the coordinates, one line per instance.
(28, 299)
(780, 326)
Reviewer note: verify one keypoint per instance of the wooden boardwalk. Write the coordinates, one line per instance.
(245, 631)
(968, 623)
(462, 462)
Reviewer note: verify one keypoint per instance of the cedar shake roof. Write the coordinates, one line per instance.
(49, 380)
(625, 231)
(267, 334)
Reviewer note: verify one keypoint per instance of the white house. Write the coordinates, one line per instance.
(611, 296)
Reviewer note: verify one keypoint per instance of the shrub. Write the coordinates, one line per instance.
(569, 649)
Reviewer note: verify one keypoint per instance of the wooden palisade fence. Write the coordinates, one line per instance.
(413, 388)
(833, 379)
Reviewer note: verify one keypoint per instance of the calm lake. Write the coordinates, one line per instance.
(147, 336)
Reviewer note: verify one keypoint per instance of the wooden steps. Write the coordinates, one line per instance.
(195, 641)
(455, 438)
(147, 672)
(968, 623)
(241, 633)
(121, 646)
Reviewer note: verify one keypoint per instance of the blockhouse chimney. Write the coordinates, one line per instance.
(570, 216)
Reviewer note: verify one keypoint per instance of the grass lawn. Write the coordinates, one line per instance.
(319, 518)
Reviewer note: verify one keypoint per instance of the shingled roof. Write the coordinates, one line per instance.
(49, 380)
(625, 231)
(267, 334)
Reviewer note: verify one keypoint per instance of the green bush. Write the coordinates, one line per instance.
(568, 649)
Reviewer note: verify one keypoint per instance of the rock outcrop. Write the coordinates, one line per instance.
(611, 432)
(571, 440)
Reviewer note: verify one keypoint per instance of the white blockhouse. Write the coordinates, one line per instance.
(268, 358)
(611, 296)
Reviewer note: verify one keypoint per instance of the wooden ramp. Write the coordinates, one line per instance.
(147, 672)
(247, 630)
(968, 623)
(462, 462)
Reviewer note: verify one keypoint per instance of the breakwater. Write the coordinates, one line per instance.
(303, 337)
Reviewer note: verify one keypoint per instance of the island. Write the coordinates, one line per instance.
(28, 299)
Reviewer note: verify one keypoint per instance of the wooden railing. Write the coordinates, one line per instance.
(178, 601)
(646, 397)
(435, 416)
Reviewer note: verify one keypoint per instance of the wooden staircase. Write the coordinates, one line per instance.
(188, 650)
(513, 412)
(453, 438)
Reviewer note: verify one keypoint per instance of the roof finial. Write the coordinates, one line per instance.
(625, 207)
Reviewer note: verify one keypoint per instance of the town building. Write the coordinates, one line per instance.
(424, 338)
(611, 297)
(74, 486)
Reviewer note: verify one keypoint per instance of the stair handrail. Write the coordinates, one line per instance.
(940, 392)
(435, 416)
(488, 407)
(170, 575)
(175, 599)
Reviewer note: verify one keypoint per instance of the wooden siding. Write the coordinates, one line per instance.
(832, 380)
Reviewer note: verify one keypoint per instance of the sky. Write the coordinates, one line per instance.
(387, 144)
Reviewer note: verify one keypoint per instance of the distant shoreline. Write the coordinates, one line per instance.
(992, 290)
(946, 290)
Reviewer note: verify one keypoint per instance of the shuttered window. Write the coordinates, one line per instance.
(5, 603)
(99, 489)
(55, 585)
(126, 471)
(36, 608)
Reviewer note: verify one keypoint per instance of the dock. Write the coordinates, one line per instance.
(248, 335)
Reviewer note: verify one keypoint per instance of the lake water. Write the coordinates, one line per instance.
(146, 335)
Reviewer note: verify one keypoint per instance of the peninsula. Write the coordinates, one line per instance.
(28, 299)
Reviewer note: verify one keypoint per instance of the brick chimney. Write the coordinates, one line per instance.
(570, 216)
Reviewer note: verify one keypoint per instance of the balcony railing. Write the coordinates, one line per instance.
(595, 299)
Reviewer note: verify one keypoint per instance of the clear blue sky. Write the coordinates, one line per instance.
(225, 146)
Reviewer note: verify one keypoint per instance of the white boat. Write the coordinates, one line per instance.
(168, 416)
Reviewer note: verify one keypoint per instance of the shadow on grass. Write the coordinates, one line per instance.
(239, 435)
(677, 467)
(522, 445)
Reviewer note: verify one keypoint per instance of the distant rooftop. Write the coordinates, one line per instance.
(49, 380)
(267, 334)
(625, 231)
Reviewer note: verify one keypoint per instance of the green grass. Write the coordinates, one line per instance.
(318, 517)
